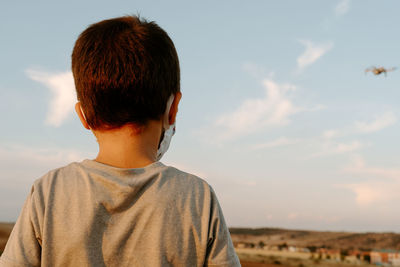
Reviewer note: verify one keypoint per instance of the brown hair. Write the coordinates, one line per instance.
(124, 69)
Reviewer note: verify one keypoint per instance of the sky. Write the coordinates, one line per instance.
(278, 114)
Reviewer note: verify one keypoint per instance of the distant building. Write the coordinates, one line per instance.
(385, 256)
(358, 255)
(329, 254)
(243, 244)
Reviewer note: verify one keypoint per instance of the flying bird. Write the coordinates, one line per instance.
(379, 70)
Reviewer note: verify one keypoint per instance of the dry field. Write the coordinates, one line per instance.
(251, 242)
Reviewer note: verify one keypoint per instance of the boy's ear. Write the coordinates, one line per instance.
(174, 108)
(78, 109)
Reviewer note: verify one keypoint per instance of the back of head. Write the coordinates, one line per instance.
(125, 69)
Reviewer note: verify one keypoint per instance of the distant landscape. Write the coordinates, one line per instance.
(300, 248)
(330, 240)
(271, 247)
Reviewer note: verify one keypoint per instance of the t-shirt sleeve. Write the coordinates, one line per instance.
(220, 251)
(23, 246)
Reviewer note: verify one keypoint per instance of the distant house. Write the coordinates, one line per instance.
(385, 256)
(243, 245)
(355, 256)
(332, 254)
(239, 244)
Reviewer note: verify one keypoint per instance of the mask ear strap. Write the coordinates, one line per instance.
(167, 110)
(83, 113)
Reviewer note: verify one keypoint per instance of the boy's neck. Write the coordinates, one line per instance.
(128, 146)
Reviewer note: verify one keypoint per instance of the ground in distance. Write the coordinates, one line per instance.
(299, 248)
(304, 238)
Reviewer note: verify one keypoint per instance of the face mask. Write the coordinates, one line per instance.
(168, 131)
(166, 140)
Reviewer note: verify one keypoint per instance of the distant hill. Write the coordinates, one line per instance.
(302, 238)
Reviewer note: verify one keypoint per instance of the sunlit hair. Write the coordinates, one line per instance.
(124, 69)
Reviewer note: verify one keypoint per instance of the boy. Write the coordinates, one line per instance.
(124, 208)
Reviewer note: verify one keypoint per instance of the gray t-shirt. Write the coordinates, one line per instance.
(91, 214)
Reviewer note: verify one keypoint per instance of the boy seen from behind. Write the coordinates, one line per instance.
(124, 208)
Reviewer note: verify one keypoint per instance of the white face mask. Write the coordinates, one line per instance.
(169, 131)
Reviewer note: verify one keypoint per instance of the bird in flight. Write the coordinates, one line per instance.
(379, 70)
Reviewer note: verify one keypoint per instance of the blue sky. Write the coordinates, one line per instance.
(277, 113)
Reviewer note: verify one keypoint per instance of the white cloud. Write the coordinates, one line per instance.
(312, 53)
(272, 110)
(378, 123)
(358, 166)
(344, 148)
(329, 134)
(333, 148)
(368, 193)
(62, 88)
(257, 71)
(342, 7)
(282, 141)
(380, 185)
(316, 108)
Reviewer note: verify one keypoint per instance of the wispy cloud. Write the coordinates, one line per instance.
(334, 148)
(329, 134)
(358, 166)
(312, 53)
(380, 185)
(282, 141)
(378, 123)
(62, 88)
(257, 71)
(369, 192)
(349, 147)
(272, 110)
(342, 7)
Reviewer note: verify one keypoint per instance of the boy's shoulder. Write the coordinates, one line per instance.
(184, 176)
(183, 181)
(81, 172)
(58, 173)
